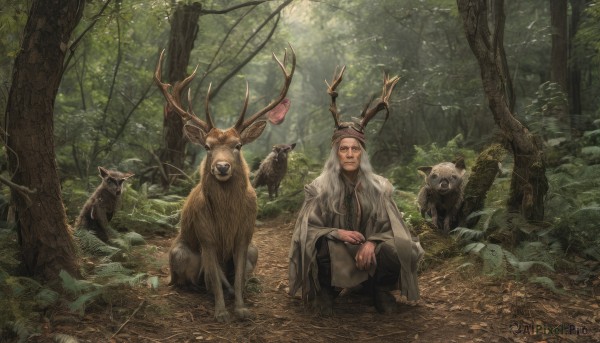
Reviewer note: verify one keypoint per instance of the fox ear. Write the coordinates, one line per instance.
(103, 172)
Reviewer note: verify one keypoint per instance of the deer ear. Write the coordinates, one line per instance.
(103, 172)
(253, 131)
(292, 146)
(195, 134)
(127, 176)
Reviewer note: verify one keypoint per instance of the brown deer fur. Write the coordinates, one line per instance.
(217, 219)
(273, 168)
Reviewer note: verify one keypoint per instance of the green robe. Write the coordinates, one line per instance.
(382, 225)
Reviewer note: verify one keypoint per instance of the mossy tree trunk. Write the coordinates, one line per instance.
(482, 177)
(44, 236)
(528, 184)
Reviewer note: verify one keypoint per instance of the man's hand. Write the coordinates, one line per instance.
(352, 237)
(365, 257)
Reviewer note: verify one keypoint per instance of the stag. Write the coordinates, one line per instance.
(218, 216)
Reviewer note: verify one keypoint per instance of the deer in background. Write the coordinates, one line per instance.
(218, 216)
(273, 168)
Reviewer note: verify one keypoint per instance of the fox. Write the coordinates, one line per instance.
(442, 195)
(101, 206)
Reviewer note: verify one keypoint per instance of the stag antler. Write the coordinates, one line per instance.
(242, 124)
(337, 78)
(174, 97)
(382, 102)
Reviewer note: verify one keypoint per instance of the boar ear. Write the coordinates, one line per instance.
(195, 134)
(292, 146)
(460, 163)
(103, 172)
(424, 170)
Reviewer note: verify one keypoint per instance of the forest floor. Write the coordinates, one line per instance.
(455, 307)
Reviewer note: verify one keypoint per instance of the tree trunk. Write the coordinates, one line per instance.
(184, 28)
(559, 53)
(480, 181)
(44, 236)
(528, 184)
(574, 74)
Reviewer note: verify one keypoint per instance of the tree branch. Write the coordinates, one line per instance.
(233, 8)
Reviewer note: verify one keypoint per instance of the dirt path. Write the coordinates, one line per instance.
(455, 307)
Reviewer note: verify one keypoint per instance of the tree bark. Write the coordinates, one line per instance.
(559, 53)
(46, 243)
(574, 73)
(184, 29)
(528, 183)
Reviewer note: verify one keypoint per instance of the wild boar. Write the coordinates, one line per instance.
(442, 195)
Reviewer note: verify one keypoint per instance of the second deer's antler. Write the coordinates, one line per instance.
(174, 97)
(337, 79)
(382, 103)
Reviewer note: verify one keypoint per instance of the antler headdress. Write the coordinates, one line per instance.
(355, 129)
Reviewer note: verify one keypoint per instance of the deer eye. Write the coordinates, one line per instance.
(454, 177)
(434, 176)
(238, 146)
(206, 147)
(120, 182)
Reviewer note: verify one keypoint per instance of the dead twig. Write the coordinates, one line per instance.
(129, 318)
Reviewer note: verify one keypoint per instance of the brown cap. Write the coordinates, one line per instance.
(348, 130)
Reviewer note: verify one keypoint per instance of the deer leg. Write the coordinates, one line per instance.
(241, 311)
(212, 276)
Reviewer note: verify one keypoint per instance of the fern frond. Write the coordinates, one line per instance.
(75, 286)
(20, 328)
(63, 338)
(493, 260)
(474, 247)
(79, 304)
(46, 297)
(134, 238)
(463, 233)
(545, 282)
(92, 245)
(111, 269)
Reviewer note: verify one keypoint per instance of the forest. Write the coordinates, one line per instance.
(508, 87)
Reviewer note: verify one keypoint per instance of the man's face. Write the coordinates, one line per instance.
(349, 153)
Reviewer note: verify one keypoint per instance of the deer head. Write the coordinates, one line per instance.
(370, 109)
(223, 146)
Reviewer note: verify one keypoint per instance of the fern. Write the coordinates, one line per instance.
(463, 233)
(62, 338)
(92, 245)
(545, 282)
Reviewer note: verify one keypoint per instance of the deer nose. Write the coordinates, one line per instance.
(223, 167)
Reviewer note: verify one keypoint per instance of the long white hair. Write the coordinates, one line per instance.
(332, 187)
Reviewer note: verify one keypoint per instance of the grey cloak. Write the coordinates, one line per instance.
(385, 226)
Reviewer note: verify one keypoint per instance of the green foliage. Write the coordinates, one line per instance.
(301, 170)
(107, 281)
(546, 109)
(406, 176)
(21, 299)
